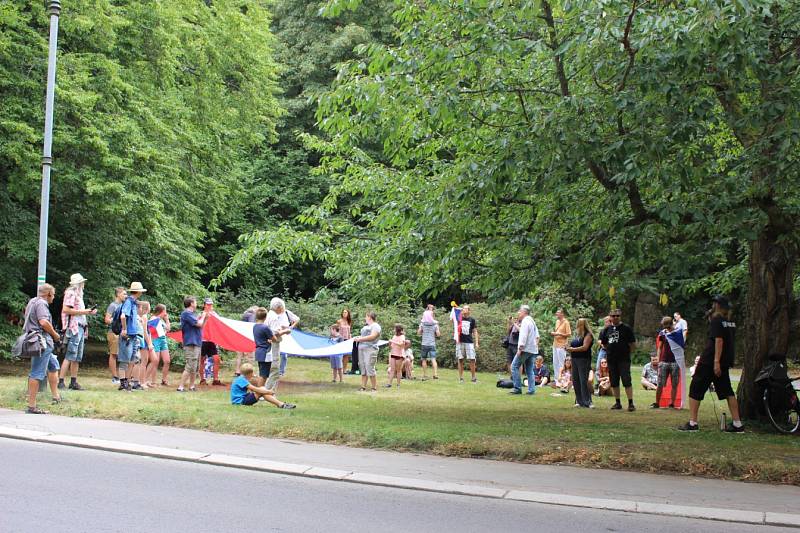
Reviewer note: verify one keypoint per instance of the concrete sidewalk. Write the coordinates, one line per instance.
(565, 485)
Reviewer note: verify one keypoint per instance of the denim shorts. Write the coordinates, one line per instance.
(43, 364)
(160, 344)
(75, 344)
(128, 349)
(336, 362)
(428, 352)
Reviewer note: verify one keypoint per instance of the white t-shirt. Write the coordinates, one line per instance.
(682, 326)
(277, 321)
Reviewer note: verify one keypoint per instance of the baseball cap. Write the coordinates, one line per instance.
(722, 301)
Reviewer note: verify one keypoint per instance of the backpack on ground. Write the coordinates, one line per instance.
(505, 384)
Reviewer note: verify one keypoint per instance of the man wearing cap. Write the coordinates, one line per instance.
(618, 340)
(527, 351)
(129, 339)
(714, 367)
(73, 321)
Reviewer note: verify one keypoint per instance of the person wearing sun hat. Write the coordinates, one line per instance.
(75, 330)
(129, 336)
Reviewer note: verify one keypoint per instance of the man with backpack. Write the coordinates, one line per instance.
(125, 323)
(113, 338)
(38, 320)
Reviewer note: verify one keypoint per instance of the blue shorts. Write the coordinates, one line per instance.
(43, 364)
(264, 368)
(249, 399)
(160, 344)
(128, 349)
(336, 362)
(75, 343)
(428, 352)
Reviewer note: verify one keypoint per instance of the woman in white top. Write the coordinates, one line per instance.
(278, 318)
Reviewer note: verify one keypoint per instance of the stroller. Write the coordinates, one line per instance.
(779, 395)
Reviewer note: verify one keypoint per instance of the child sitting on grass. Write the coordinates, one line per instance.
(564, 381)
(243, 392)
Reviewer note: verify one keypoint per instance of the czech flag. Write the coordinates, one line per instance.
(455, 317)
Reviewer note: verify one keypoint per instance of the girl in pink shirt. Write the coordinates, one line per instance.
(397, 346)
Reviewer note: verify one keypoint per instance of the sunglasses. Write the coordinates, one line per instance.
(615, 316)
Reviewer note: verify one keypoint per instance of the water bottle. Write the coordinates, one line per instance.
(723, 421)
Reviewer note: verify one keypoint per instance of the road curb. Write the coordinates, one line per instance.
(277, 467)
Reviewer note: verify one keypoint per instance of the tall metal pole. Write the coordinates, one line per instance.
(54, 10)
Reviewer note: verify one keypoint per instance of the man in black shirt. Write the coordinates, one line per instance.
(714, 366)
(619, 341)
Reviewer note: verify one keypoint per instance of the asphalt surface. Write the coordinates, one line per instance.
(45, 487)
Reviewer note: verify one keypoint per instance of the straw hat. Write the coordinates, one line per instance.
(136, 287)
(76, 279)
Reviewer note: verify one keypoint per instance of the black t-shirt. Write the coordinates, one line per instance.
(468, 325)
(618, 340)
(208, 349)
(719, 327)
(577, 342)
(261, 335)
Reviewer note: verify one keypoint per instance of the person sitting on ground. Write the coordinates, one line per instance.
(541, 374)
(603, 379)
(397, 345)
(650, 374)
(336, 360)
(243, 392)
(564, 380)
(408, 362)
(668, 367)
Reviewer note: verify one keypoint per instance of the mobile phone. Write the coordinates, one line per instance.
(92, 308)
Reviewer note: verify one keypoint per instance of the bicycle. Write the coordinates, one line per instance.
(780, 395)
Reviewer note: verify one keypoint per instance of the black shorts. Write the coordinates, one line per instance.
(704, 376)
(249, 399)
(263, 368)
(619, 369)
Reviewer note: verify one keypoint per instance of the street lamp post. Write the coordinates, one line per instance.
(54, 10)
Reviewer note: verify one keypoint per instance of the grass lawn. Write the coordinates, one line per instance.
(447, 418)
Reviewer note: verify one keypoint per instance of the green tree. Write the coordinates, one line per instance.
(605, 143)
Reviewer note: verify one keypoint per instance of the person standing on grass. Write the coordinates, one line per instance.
(111, 337)
(527, 351)
(397, 346)
(243, 392)
(39, 320)
(279, 318)
(561, 334)
(429, 329)
(159, 326)
(680, 325)
(146, 352)
(336, 360)
(668, 367)
(601, 352)
(714, 367)
(192, 330)
(264, 338)
(619, 341)
(368, 350)
(345, 323)
(129, 339)
(469, 342)
(580, 350)
(247, 316)
(73, 319)
(512, 340)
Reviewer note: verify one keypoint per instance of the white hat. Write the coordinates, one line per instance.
(76, 279)
(137, 287)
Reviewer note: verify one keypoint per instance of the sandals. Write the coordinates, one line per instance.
(35, 411)
(362, 389)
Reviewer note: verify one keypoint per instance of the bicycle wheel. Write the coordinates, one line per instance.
(784, 414)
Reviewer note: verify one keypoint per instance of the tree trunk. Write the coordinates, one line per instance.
(768, 305)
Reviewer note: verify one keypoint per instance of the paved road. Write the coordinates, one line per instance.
(46, 487)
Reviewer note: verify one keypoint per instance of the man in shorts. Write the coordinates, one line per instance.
(129, 337)
(469, 341)
(192, 330)
(619, 341)
(714, 367)
(73, 320)
(429, 329)
(113, 340)
(38, 319)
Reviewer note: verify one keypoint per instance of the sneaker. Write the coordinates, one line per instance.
(35, 411)
(137, 386)
(631, 408)
(590, 406)
(115, 380)
(56, 401)
(192, 389)
(288, 406)
(576, 405)
(733, 429)
(389, 386)
(61, 385)
(616, 407)
(461, 380)
(689, 427)
(531, 392)
(165, 383)
(122, 386)
(475, 380)
(654, 405)
(435, 377)
(515, 391)
(180, 389)
(75, 386)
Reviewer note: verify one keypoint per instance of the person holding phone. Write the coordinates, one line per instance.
(73, 320)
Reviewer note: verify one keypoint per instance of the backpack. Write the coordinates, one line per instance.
(116, 321)
(505, 384)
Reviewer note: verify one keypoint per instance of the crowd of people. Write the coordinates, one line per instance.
(137, 345)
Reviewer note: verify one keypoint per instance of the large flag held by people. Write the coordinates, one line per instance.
(237, 336)
(455, 317)
(675, 343)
